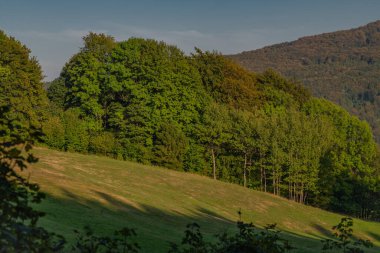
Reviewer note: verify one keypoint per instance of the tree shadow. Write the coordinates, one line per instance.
(322, 230)
(156, 226)
(375, 235)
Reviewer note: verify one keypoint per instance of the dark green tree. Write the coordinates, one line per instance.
(21, 85)
(57, 91)
(243, 138)
(348, 166)
(215, 131)
(22, 99)
(19, 230)
(88, 242)
(226, 81)
(170, 146)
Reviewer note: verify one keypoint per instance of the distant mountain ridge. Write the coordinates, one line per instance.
(342, 66)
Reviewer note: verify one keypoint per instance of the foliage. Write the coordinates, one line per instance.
(56, 92)
(248, 239)
(345, 242)
(19, 231)
(21, 100)
(103, 143)
(76, 131)
(88, 242)
(347, 171)
(170, 145)
(54, 133)
(193, 160)
(273, 79)
(146, 101)
(213, 133)
(226, 81)
(192, 241)
(341, 66)
(132, 88)
(21, 82)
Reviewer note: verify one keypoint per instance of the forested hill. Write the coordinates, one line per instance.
(342, 66)
(145, 101)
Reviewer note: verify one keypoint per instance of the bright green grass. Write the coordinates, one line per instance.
(108, 194)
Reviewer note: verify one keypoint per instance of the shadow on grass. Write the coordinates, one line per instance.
(375, 235)
(322, 230)
(156, 227)
(328, 233)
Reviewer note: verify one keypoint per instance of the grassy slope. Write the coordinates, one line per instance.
(109, 194)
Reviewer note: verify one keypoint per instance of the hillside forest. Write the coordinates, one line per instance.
(146, 101)
(342, 67)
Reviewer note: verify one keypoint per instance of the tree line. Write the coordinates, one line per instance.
(146, 101)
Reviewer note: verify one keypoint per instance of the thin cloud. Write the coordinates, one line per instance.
(64, 35)
(54, 48)
(187, 39)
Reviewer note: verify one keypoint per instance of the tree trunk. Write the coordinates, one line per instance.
(265, 181)
(261, 173)
(245, 170)
(213, 163)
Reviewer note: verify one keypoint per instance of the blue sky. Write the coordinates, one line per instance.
(53, 29)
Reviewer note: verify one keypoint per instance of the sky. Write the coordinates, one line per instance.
(53, 29)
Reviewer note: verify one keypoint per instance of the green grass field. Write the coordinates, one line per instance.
(108, 194)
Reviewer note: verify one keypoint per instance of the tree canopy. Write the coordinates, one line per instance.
(147, 101)
(22, 104)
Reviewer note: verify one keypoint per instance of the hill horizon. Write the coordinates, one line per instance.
(341, 66)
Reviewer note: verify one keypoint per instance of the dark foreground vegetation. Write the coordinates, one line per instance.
(249, 239)
(146, 101)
